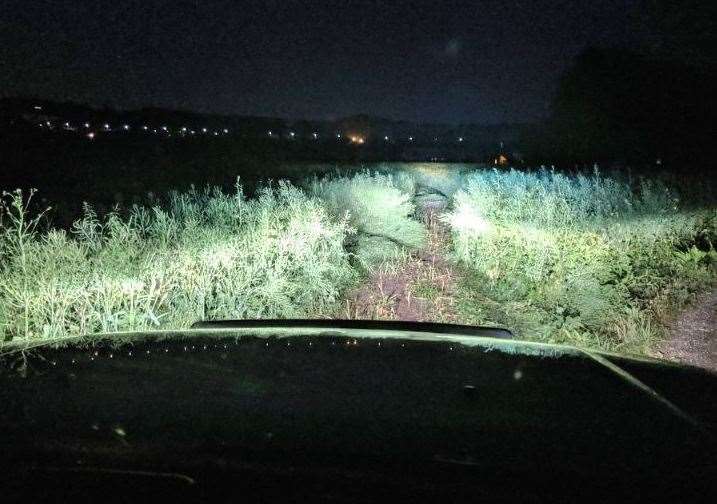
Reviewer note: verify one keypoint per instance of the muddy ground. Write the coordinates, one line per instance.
(693, 335)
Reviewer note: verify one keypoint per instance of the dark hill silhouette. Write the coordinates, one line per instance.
(614, 105)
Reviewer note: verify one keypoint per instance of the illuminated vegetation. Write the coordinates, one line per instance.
(379, 207)
(585, 260)
(208, 255)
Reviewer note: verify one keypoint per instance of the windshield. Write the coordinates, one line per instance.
(532, 166)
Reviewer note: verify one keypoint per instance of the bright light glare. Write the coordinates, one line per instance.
(107, 126)
(460, 139)
(467, 220)
(87, 125)
(385, 138)
(90, 135)
(291, 133)
(126, 126)
(410, 139)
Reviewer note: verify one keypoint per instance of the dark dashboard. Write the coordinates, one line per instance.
(350, 415)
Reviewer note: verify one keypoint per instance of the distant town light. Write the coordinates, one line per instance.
(316, 135)
(216, 134)
(67, 125)
(386, 138)
(145, 127)
(154, 131)
(184, 128)
(226, 131)
(191, 132)
(164, 128)
(292, 134)
(338, 135)
(435, 139)
(37, 107)
(460, 139)
(48, 123)
(90, 135)
(107, 126)
(269, 133)
(204, 130)
(125, 126)
(87, 125)
(410, 139)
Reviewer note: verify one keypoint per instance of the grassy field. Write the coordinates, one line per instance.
(581, 259)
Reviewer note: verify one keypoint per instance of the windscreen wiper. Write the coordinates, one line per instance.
(391, 325)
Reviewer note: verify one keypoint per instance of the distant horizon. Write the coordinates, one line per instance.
(99, 108)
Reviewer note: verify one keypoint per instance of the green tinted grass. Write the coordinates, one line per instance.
(579, 259)
(381, 210)
(207, 255)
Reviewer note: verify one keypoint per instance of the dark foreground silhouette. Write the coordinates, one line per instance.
(335, 416)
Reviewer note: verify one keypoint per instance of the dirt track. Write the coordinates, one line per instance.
(396, 294)
(693, 335)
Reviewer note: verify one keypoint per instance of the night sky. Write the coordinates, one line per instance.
(439, 61)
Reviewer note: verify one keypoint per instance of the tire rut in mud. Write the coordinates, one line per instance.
(421, 288)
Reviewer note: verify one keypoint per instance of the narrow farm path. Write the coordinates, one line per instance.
(693, 335)
(421, 288)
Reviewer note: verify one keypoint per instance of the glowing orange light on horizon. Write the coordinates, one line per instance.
(500, 160)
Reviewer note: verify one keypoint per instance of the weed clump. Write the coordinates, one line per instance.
(207, 255)
(579, 259)
(379, 207)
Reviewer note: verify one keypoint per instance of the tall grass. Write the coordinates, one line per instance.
(207, 255)
(584, 259)
(579, 259)
(379, 207)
